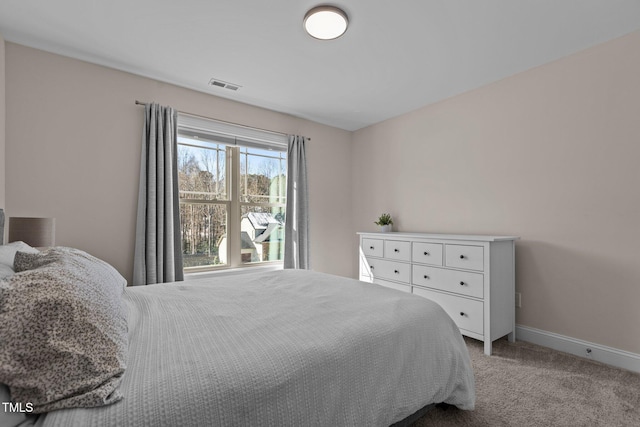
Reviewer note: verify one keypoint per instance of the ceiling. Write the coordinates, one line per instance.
(395, 56)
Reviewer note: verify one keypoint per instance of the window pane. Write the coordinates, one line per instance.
(206, 169)
(262, 234)
(204, 234)
(201, 170)
(263, 175)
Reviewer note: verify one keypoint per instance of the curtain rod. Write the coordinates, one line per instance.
(224, 121)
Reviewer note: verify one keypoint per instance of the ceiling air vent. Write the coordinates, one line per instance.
(222, 83)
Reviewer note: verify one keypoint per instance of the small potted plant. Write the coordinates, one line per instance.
(385, 222)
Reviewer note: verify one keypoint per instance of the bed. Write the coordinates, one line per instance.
(286, 347)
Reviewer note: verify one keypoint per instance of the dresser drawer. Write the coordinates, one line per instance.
(364, 267)
(464, 256)
(393, 285)
(427, 253)
(390, 270)
(460, 282)
(465, 312)
(397, 249)
(373, 247)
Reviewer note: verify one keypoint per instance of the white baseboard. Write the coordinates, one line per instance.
(609, 355)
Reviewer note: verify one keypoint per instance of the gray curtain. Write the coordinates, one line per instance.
(158, 254)
(296, 244)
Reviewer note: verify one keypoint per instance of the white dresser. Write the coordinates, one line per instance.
(471, 276)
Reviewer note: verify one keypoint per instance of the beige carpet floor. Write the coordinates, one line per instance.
(523, 384)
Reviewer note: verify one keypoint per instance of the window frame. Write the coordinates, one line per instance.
(233, 137)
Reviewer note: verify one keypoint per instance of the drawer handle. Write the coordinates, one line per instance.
(462, 313)
(396, 271)
(462, 257)
(426, 253)
(371, 247)
(426, 277)
(396, 250)
(462, 283)
(371, 267)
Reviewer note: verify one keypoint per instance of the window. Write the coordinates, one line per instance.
(232, 189)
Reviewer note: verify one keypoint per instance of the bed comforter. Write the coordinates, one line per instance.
(285, 348)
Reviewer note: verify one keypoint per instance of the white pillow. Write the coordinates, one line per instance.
(8, 252)
(5, 271)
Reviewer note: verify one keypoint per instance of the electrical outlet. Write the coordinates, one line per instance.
(518, 300)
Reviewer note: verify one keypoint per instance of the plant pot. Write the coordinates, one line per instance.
(385, 228)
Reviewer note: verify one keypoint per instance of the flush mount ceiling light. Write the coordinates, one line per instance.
(326, 22)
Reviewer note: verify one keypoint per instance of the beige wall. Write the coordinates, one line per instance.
(550, 155)
(73, 152)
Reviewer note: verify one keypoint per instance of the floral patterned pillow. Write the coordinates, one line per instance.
(64, 331)
(8, 252)
(24, 261)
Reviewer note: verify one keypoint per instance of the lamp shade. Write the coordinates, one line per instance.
(36, 232)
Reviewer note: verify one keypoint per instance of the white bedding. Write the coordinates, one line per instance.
(285, 348)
